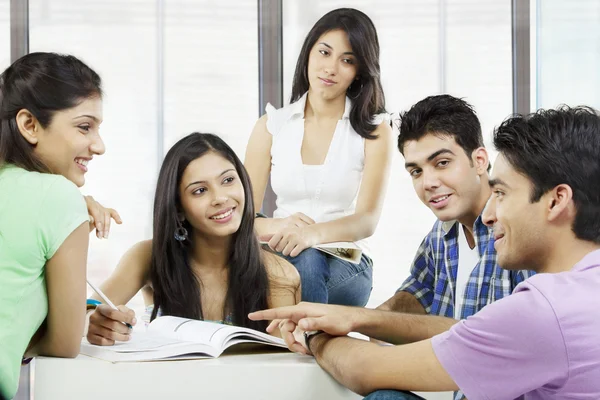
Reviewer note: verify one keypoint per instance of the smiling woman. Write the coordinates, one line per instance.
(50, 110)
(204, 261)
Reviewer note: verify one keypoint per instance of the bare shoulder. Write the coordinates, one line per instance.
(383, 145)
(139, 257)
(280, 270)
(142, 250)
(261, 124)
(383, 132)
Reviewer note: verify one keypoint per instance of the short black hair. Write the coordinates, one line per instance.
(553, 147)
(442, 114)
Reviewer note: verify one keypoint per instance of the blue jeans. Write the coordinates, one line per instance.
(327, 279)
(392, 395)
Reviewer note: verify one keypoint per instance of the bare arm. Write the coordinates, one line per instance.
(258, 164)
(400, 328)
(132, 274)
(337, 320)
(362, 224)
(365, 367)
(403, 302)
(66, 287)
(284, 281)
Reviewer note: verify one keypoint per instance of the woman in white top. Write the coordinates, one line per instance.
(328, 154)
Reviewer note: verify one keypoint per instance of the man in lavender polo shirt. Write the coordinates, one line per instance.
(542, 341)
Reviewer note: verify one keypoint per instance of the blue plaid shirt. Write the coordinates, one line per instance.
(432, 277)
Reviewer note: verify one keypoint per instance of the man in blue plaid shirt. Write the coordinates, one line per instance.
(454, 273)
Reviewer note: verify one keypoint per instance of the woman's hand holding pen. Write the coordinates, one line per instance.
(107, 325)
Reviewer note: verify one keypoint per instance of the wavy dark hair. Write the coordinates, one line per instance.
(42, 83)
(366, 92)
(176, 287)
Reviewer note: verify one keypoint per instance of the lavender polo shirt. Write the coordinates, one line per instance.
(542, 341)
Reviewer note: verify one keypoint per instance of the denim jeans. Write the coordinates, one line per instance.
(392, 395)
(327, 279)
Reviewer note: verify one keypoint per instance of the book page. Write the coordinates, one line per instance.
(217, 335)
(142, 341)
(347, 251)
(147, 348)
(190, 330)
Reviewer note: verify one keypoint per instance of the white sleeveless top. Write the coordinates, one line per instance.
(323, 192)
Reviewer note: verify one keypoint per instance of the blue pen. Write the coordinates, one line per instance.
(106, 299)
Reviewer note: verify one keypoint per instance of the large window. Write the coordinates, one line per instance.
(4, 34)
(427, 47)
(117, 39)
(207, 69)
(211, 70)
(568, 53)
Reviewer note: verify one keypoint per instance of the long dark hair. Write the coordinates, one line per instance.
(41, 83)
(176, 287)
(366, 92)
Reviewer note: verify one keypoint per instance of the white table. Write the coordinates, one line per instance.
(264, 375)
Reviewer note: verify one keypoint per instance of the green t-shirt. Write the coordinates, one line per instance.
(37, 213)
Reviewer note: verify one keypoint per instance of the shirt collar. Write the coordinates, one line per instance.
(448, 225)
(299, 106)
(591, 259)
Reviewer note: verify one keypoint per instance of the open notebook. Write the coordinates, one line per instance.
(178, 338)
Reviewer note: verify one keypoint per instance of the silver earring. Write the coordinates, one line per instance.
(181, 233)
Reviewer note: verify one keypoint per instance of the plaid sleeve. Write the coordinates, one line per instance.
(519, 276)
(421, 279)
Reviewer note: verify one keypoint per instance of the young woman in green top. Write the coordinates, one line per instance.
(50, 112)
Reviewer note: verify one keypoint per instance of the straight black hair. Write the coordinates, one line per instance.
(176, 287)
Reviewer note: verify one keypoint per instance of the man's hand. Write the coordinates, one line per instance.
(291, 334)
(335, 320)
(100, 217)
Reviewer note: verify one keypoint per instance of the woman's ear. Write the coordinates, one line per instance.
(28, 125)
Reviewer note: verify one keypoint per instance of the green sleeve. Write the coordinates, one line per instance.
(61, 211)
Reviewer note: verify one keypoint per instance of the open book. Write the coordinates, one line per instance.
(347, 251)
(178, 338)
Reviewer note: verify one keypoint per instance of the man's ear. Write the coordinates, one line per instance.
(28, 125)
(560, 202)
(480, 160)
